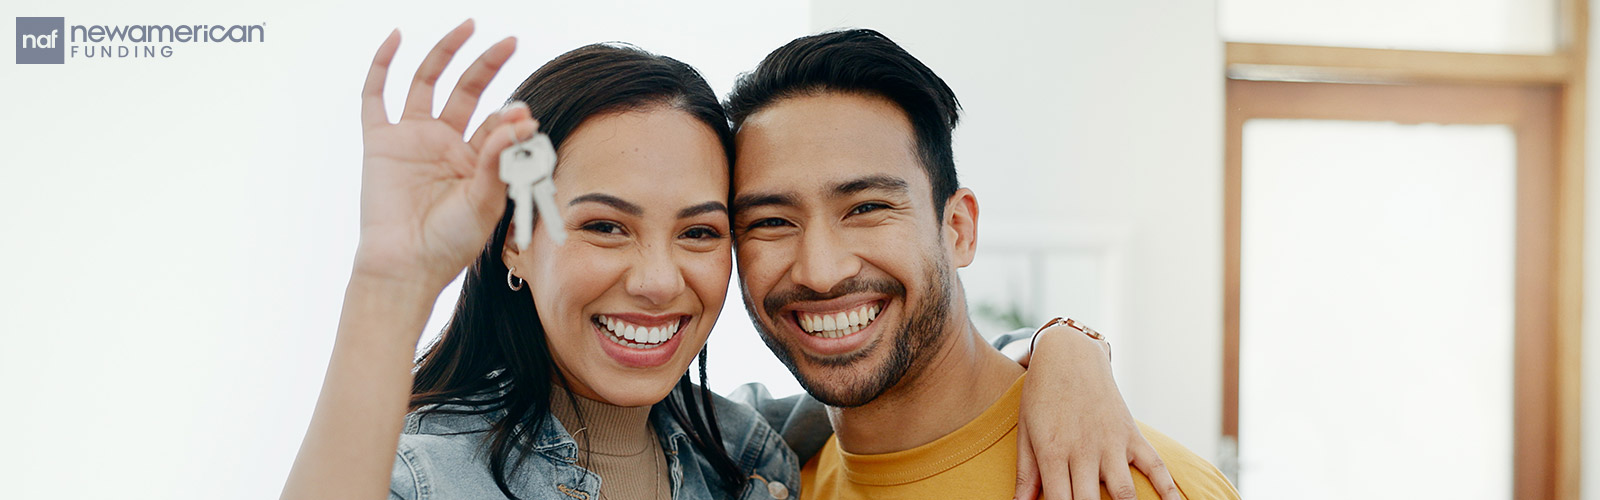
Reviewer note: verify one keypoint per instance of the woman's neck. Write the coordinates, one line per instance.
(600, 427)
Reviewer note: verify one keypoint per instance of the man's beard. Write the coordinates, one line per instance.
(911, 343)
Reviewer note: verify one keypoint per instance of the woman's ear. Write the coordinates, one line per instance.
(509, 255)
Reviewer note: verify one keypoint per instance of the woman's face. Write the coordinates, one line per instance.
(628, 301)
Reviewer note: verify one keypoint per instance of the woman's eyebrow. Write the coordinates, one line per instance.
(707, 207)
(611, 201)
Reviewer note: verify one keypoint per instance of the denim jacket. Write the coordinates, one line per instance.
(446, 456)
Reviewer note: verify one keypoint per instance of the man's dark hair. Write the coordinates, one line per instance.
(866, 62)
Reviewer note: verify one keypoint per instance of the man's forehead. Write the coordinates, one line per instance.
(812, 142)
(829, 116)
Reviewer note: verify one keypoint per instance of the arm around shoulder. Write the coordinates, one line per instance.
(800, 419)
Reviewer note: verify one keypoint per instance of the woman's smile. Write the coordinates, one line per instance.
(639, 340)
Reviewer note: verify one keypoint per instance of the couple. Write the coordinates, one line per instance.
(563, 371)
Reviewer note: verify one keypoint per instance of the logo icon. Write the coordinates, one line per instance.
(41, 40)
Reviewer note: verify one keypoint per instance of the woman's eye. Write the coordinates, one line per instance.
(603, 227)
(867, 207)
(702, 233)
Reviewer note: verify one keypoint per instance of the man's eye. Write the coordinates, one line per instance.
(603, 227)
(768, 222)
(867, 207)
(702, 233)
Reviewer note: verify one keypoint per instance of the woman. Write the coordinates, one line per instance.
(563, 363)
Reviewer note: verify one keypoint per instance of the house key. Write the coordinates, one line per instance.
(527, 169)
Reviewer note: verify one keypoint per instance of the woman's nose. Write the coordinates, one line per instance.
(656, 278)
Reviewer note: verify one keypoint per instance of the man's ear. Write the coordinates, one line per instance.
(961, 227)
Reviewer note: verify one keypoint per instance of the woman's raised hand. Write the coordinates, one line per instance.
(430, 199)
(428, 203)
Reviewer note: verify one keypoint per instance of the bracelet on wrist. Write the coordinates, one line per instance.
(1073, 324)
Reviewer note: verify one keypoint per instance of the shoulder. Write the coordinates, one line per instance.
(754, 447)
(753, 443)
(441, 451)
(1195, 476)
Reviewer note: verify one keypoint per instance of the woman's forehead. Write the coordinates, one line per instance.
(660, 150)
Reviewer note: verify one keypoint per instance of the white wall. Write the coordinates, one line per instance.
(1097, 124)
(175, 234)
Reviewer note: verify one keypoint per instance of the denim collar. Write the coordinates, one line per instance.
(553, 440)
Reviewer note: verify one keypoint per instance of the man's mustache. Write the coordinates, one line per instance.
(859, 284)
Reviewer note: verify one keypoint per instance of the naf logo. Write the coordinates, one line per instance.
(41, 40)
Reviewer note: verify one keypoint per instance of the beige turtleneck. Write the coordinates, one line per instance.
(617, 443)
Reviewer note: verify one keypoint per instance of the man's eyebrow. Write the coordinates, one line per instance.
(871, 182)
(707, 207)
(753, 200)
(612, 201)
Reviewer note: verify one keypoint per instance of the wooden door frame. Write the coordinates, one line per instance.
(1565, 74)
(1531, 112)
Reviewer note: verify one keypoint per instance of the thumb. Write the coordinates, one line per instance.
(1027, 466)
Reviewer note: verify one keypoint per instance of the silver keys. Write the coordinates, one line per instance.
(526, 168)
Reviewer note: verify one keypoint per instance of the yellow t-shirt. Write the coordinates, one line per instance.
(979, 460)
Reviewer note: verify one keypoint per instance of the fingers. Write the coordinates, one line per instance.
(487, 192)
(419, 102)
(1148, 462)
(488, 125)
(464, 99)
(1027, 467)
(1118, 479)
(372, 111)
(1085, 480)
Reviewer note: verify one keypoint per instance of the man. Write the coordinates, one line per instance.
(850, 225)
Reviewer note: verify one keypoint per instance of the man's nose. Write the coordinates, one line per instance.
(656, 276)
(823, 261)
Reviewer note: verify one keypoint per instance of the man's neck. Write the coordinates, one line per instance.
(960, 380)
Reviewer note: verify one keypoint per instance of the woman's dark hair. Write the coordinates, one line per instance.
(496, 329)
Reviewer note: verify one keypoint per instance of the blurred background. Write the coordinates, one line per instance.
(1339, 246)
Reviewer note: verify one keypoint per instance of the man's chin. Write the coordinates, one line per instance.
(847, 386)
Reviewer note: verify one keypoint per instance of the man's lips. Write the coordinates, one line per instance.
(840, 322)
(834, 318)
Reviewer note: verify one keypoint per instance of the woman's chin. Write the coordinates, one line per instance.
(637, 392)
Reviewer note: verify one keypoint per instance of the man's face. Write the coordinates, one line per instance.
(841, 257)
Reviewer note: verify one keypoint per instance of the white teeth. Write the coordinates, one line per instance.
(837, 324)
(636, 336)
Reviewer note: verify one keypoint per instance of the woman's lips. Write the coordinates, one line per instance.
(636, 334)
(639, 341)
